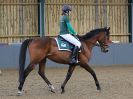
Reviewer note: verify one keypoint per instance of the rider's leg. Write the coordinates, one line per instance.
(74, 55)
(71, 39)
(74, 41)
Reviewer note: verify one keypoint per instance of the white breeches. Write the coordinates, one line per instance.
(71, 39)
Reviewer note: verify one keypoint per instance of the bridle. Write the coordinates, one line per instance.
(94, 44)
(100, 43)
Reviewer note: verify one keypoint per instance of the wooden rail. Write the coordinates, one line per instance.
(19, 18)
(11, 36)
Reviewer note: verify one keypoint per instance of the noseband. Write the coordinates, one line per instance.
(102, 44)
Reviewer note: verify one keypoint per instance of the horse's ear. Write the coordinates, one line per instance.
(108, 28)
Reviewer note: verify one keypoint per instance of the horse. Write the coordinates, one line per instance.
(43, 48)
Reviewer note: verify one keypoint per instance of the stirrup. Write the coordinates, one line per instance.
(74, 63)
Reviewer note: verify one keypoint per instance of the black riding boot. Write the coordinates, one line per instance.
(74, 56)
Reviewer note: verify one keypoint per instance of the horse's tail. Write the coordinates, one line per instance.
(22, 57)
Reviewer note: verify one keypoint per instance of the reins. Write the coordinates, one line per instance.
(94, 44)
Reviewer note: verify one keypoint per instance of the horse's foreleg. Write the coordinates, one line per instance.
(26, 72)
(69, 73)
(91, 71)
(41, 72)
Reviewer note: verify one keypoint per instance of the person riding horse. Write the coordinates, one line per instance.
(43, 48)
(67, 32)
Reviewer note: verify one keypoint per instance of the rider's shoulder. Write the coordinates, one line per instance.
(65, 17)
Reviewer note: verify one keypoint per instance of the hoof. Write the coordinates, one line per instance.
(99, 88)
(51, 88)
(19, 93)
(63, 90)
(52, 91)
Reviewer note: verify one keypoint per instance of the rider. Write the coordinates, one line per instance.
(67, 32)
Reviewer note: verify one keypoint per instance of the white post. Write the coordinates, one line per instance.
(0, 72)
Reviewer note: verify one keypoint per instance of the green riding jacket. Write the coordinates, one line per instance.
(65, 26)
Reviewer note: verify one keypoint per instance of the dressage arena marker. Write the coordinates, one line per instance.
(0, 72)
(116, 41)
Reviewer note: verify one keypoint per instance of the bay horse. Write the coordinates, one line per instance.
(42, 48)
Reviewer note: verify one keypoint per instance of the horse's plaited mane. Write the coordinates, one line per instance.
(92, 33)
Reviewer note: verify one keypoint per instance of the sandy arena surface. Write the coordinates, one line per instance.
(116, 83)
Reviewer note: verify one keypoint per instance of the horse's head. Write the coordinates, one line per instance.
(103, 39)
(101, 35)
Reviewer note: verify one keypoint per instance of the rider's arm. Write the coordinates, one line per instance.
(70, 28)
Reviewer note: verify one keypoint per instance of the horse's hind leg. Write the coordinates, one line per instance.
(29, 68)
(41, 72)
(90, 70)
(69, 73)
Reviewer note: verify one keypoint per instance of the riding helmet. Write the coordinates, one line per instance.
(66, 8)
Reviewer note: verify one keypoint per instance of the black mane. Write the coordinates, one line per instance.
(92, 33)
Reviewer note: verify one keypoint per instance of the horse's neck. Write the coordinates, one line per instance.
(88, 46)
(91, 42)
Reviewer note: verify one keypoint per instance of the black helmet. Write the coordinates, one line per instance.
(66, 8)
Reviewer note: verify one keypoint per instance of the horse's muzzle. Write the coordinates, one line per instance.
(105, 49)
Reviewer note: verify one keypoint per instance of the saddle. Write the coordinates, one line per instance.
(63, 44)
